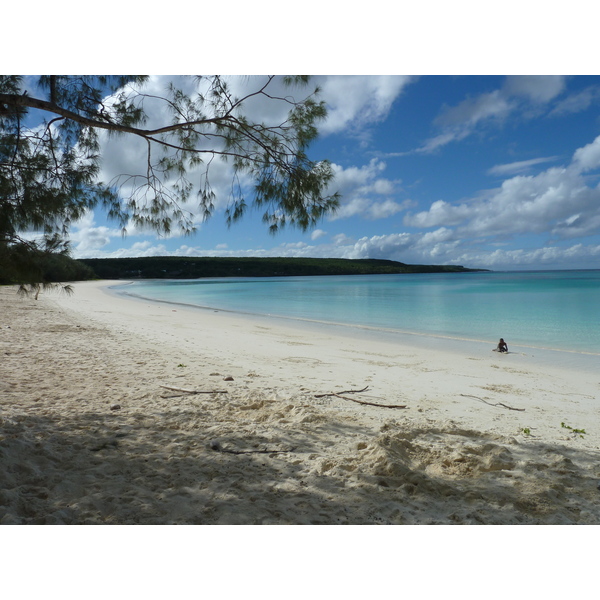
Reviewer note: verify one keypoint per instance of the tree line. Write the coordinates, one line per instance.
(177, 267)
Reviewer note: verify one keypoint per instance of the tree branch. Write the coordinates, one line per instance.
(28, 101)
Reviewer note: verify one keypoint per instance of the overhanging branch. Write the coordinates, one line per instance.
(27, 101)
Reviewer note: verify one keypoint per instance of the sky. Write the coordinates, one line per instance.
(485, 171)
(459, 134)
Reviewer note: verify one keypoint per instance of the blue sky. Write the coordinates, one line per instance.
(488, 172)
(454, 163)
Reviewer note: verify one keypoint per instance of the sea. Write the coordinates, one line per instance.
(552, 310)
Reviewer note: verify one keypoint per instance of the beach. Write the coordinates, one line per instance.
(124, 411)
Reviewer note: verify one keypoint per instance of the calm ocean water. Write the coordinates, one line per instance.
(544, 309)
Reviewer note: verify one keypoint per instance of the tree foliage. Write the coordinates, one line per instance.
(50, 157)
(38, 266)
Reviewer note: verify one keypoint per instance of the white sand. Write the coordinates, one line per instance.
(456, 454)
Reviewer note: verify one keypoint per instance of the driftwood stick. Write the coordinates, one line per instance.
(266, 451)
(490, 404)
(342, 392)
(216, 446)
(178, 389)
(369, 403)
(509, 407)
(339, 395)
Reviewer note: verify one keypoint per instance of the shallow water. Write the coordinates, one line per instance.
(555, 310)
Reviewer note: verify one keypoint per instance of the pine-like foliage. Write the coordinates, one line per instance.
(50, 157)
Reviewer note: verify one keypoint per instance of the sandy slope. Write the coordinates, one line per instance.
(457, 454)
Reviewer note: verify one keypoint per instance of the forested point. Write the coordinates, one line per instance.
(178, 267)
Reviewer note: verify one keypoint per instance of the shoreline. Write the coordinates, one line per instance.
(483, 438)
(551, 357)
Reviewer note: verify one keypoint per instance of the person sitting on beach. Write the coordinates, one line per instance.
(502, 347)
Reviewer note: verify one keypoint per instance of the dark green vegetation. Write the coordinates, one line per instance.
(46, 268)
(176, 267)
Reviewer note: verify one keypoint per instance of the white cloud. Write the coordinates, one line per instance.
(588, 157)
(555, 202)
(537, 88)
(471, 111)
(141, 246)
(441, 140)
(549, 257)
(341, 239)
(317, 234)
(362, 188)
(577, 102)
(385, 209)
(443, 234)
(443, 247)
(87, 238)
(519, 93)
(440, 213)
(356, 101)
(382, 246)
(519, 166)
(358, 176)
(351, 207)
(142, 249)
(460, 121)
(578, 225)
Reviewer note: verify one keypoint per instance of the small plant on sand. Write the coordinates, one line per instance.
(572, 429)
(526, 430)
(181, 365)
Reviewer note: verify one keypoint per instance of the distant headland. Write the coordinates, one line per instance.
(180, 267)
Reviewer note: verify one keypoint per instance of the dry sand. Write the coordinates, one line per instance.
(89, 436)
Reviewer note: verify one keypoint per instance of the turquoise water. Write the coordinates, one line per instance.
(544, 309)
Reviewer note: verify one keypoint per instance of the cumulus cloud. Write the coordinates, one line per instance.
(588, 157)
(557, 201)
(317, 234)
(384, 210)
(365, 192)
(549, 257)
(443, 247)
(87, 238)
(356, 101)
(440, 246)
(439, 213)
